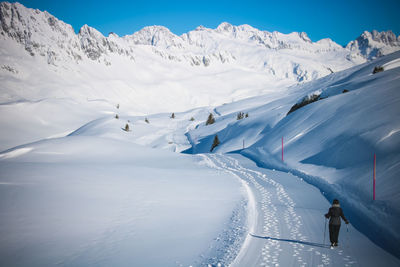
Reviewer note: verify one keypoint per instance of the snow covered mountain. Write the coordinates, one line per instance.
(65, 99)
(154, 64)
(375, 44)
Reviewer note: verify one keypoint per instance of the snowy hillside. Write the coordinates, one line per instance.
(330, 143)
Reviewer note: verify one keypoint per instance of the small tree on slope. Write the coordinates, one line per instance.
(215, 143)
(210, 119)
(377, 69)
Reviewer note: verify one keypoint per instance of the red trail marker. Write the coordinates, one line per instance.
(374, 176)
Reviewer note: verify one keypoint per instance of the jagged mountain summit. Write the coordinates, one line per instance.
(375, 44)
(229, 62)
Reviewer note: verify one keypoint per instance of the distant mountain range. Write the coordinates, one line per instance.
(279, 59)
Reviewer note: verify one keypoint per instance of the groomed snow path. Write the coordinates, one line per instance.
(286, 222)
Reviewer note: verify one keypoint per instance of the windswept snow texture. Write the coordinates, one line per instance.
(330, 143)
(96, 201)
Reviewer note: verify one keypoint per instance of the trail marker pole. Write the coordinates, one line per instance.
(282, 148)
(325, 230)
(374, 176)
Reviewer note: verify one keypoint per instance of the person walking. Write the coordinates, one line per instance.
(334, 214)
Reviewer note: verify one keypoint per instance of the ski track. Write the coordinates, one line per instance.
(278, 221)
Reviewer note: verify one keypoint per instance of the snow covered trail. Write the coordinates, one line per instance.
(286, 223)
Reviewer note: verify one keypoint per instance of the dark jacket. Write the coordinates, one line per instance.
(334, 213)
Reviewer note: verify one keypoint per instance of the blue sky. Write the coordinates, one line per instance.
(339, 20)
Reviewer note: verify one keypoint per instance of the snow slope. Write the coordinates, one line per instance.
(87, 200)
(330, 143)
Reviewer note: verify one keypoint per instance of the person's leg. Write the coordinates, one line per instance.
(331, 233)
(336, 234)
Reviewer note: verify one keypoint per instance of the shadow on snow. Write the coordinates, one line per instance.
(291, 241)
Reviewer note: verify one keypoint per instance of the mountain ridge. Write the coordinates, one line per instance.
(22, 24)
(207, 66)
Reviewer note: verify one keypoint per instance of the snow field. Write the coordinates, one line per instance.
(95, 201)
(28, 121)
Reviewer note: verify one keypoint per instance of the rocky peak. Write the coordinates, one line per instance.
(42, 34)
(225, 27)
(375, 44)
(388, 37)
(327, 42)
(247, 28)
(304, 37)
(156, 36)
(200, 28)
(38, 32)
(87, 31)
